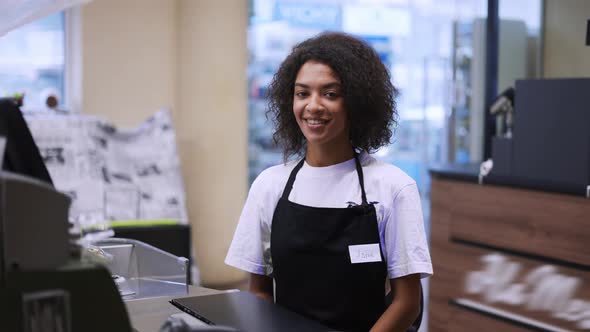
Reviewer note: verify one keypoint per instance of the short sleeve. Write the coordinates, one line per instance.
(406, 246)
(250, 247)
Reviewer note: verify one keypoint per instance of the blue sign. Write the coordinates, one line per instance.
(381, 44)
(309, 15)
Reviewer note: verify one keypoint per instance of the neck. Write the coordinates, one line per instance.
(320, 156)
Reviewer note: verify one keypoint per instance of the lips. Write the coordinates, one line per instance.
(316, 122)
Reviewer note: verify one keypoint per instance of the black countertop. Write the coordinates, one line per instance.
(470, 173)
(463, 172)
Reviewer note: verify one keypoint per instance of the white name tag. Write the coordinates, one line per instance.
(364, 253)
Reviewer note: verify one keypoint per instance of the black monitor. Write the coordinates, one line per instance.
(21, 153)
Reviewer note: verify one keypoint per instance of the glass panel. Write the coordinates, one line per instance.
(466, 121)
(519, 51)
(32, 61)
(520, 32)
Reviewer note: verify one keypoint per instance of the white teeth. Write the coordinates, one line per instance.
(315, 122)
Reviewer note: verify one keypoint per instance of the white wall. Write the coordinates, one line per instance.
(565, 50)
(212, 99)
(128, 58)
(191, 56)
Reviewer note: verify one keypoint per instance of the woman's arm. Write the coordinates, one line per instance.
(261, 286)
(405, 307)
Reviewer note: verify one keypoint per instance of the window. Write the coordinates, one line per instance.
(32, 61)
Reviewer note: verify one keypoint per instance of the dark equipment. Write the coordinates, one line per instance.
(550, 146)
(43, 284)
(21, 155)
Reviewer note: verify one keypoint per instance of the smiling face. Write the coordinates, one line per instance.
(318, 106)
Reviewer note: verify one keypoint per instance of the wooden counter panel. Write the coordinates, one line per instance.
(450, 283)
(525, 224)
(466, 321)
(443, 282)
(543, 224)
(539, 295)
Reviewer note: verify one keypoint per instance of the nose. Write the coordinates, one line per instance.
(315, 104)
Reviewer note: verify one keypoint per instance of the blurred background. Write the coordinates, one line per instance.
(207, 64)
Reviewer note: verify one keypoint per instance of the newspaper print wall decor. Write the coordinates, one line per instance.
(111, 173)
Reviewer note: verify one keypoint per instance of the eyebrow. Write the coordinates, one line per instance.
(325, 86)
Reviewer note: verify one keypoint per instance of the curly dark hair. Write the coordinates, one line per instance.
(369, 95)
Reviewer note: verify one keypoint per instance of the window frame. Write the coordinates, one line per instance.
(72, 99)
(71, 88)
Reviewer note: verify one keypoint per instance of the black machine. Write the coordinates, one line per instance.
(43, 285)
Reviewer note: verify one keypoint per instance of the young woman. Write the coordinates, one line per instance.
(321, 235)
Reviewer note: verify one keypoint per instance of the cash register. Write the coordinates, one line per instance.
(43, 284)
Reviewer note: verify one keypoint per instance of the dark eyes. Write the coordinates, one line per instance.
(328, 94)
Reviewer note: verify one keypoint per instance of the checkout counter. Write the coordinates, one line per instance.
(511, 249)
(506, 259)
(46, 285)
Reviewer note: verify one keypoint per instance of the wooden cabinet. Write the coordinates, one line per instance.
(508, 259)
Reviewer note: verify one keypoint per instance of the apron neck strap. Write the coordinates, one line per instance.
(291, 180)
(359, 171)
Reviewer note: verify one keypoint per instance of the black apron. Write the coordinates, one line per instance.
(312, 266)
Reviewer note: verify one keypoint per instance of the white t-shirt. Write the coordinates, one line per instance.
(396, 198)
